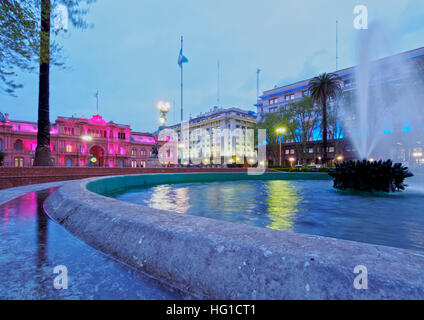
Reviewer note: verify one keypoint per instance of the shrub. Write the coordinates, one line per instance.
(2, 156)
(370, 176)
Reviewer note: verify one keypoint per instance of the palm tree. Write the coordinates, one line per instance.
(323, 87)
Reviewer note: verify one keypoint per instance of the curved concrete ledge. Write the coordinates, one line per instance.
(223, 260)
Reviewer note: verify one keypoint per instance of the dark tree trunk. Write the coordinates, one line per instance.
(324, 131)
(42, 153)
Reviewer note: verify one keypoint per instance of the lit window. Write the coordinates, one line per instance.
(19, 162)
(134, 164)
(69, 148)
(330, 149)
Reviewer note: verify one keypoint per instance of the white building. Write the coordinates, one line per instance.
(218, 137)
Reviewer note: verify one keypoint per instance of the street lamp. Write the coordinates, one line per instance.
(163, 107)
(87, 138)
(340, 158)
(280, 131)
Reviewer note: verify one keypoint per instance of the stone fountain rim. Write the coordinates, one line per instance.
(229, 260)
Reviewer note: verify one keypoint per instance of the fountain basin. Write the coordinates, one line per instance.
(224, 260)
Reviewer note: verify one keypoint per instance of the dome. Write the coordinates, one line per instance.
(2, 117)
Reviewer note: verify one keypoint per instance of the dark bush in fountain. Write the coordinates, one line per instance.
(370, 176)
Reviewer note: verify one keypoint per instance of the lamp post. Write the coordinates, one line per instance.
(280, 131)
(163, 107)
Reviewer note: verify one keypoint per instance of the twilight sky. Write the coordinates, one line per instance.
(130, 55)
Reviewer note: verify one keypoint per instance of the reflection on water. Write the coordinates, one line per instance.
(282, 202)
(311, 207)
(31, 245)
(164, 197)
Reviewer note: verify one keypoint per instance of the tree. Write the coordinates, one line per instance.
(27, 37)
(324, 87)
(18, 42)
(302, 121)
(270, 123)
(75, 14)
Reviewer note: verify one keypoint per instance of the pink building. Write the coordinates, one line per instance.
(76, 142)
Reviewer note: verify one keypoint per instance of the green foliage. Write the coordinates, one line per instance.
(18, 42)
(2, 156)
(324, 87)
(24, 44)
(370, 176)
(302, 119)
(270, 123)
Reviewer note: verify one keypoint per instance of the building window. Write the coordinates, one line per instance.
(311, 150)
(19, 162)
(287, 151)
(143, 164)
(69, 148)
(18, 145)
(69, 131)
(1, 144)
(143, 152)
(292, 151)
(134, 152)
(134, 164)
(330, 149)
(121, 163)
(68, 162)
(121, 135)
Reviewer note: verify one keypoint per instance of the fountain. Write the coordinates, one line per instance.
(382, 117)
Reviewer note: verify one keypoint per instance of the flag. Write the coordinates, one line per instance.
(181, 59)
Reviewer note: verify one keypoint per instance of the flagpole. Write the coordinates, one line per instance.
(182, 103)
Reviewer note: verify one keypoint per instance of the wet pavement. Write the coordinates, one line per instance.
(32, 245)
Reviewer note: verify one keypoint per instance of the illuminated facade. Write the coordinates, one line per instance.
(76, 142)
(280, 98)
(216, 136)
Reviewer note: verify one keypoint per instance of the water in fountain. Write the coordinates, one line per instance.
(384, 114)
